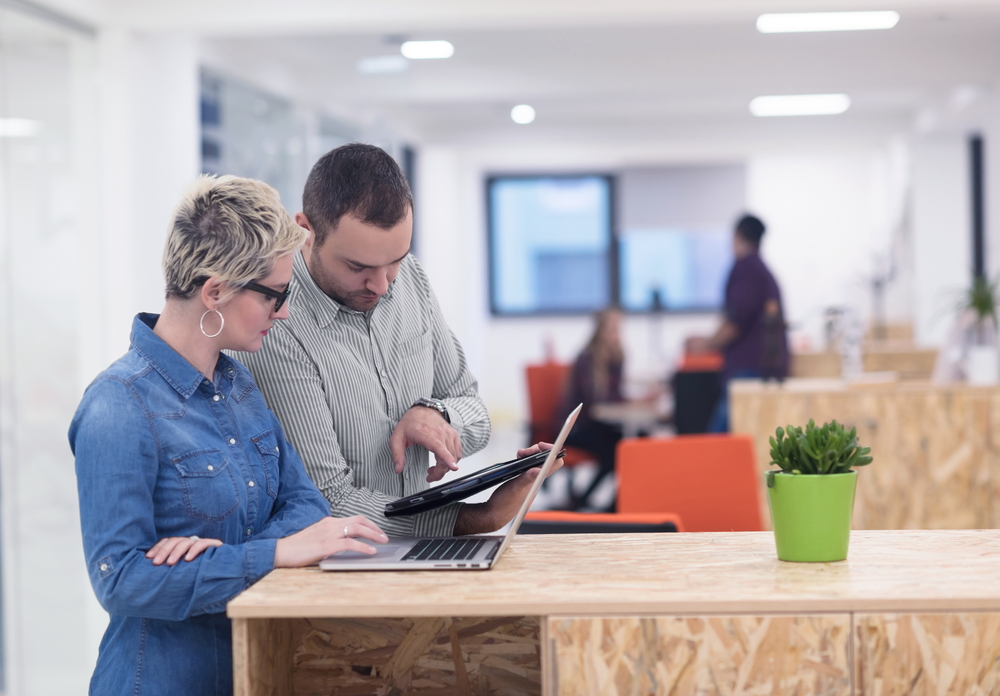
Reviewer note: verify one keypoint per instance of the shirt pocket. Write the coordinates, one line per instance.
(414, 344)
(267, 446)
(208, 484)
(414, 367)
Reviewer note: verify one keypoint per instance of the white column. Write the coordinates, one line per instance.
(942, 233)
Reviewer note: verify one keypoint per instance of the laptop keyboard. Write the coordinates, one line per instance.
(444, 550)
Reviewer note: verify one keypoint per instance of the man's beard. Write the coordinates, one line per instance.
(359, 300)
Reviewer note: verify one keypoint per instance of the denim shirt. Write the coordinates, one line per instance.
(161, 451)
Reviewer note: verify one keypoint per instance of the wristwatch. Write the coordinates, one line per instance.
(435, 404)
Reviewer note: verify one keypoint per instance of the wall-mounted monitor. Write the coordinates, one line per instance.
(646, 238)
(550, 243)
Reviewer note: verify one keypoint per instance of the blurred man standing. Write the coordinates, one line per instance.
(752, 335)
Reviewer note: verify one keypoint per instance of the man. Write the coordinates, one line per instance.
(752, 334)
(364, 375)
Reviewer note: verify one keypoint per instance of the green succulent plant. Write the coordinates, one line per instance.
(830, 449)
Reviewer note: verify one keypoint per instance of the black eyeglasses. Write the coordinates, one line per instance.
(279, 296)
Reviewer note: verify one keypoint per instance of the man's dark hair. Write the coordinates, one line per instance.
(359, 179)
(751, 229)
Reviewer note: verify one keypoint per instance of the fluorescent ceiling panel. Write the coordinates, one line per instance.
(420, 50)
(800, 105)
(825, 21)
(19, 127)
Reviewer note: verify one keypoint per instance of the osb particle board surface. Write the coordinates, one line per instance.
(927, 654)
(439, 655)
(645, 574)
(800, 655)
(936, 455)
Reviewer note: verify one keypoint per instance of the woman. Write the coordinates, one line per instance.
(596, 377)
(178, 456)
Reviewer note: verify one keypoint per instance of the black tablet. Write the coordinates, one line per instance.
(462, 488)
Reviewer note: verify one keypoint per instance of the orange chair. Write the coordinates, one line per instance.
(546, 387)
(701, 362)
(709, 480)
(559, 522)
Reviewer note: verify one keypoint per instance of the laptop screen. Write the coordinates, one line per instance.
(546, 468)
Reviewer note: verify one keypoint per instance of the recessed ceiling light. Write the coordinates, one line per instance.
(381, 65)
(825, 21)
(523, 114)
(19, 127)
(418, 50)
(800, 105)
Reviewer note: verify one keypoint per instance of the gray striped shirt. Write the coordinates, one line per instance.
(340, 380)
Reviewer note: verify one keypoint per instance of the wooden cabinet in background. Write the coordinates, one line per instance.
(935, 448)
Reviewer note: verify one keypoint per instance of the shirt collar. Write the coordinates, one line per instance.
(178, 372)
(307, 296)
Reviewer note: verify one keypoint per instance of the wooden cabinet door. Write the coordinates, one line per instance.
(682, 655)
(927, 654)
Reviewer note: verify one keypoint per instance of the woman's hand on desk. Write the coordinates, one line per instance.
(328, 536)
(170, 550)
(482, 518)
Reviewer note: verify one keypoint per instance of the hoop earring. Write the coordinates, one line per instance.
(201, 323)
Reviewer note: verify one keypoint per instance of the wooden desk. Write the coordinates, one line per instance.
(935, 446)
(632, 416)
(905, 360)
(910, 612)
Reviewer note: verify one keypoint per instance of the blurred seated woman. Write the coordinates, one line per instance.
(596, 377)
(189, 492)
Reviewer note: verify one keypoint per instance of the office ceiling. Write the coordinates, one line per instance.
(627, 69)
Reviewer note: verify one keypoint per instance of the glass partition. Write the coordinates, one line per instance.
(47, 202)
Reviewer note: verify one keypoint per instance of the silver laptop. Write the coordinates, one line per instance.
(453, 552)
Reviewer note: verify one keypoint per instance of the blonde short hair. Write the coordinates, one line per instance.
(228, 227)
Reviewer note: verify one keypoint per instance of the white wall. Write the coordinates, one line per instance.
(150, 139)
(942, 238)
(829, 219)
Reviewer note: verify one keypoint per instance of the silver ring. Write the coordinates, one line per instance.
(194, 537)
(345, 532)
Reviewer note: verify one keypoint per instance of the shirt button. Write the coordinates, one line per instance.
(250, 484)
(211, 468)
(276, 449)
(215, 398)
(104, 567)
(249, 531)
(232, 441)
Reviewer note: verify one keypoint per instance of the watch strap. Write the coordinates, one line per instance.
(435, 404)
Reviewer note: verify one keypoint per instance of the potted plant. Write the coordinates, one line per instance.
(979, 303)
(812, 496)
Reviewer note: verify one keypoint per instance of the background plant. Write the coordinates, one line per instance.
(981, 299)
(829, 449)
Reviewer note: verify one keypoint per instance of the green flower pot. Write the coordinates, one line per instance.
(811, 515)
